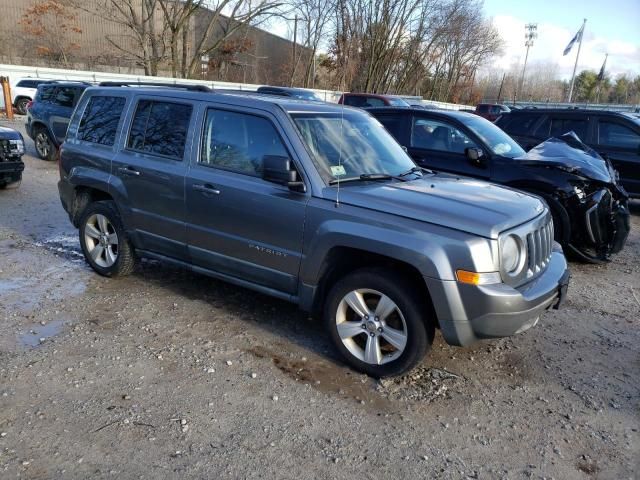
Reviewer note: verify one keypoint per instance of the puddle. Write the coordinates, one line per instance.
(327, 378)
(37, 334)
(66, 246)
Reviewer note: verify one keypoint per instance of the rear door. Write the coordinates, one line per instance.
(557, 124)
(61, 109)
(151, 169)
(239, 224)
(440, 144)
(620, 141)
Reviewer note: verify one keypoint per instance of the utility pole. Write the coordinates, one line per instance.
(530, 34)
(295, 39)
(501, 84)
(575, 66)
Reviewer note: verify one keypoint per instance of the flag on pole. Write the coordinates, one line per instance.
(577, 37)
(604, 65)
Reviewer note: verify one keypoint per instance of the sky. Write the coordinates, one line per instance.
(613, 27)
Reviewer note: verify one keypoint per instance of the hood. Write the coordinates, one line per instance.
(9, 134)
(465, 204)
(570, 154)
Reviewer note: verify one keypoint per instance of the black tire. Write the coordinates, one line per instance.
(561, 223)
(420, 326)
(45, 147)
(125, 259)
(21, 106)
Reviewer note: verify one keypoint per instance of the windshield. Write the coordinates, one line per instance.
(398, 102)
(350, 144)
(499, 142)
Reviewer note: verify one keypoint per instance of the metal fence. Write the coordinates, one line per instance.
(16, 72)
(613, 107)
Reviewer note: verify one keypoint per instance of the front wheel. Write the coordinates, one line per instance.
(379, 322)
(104, 241)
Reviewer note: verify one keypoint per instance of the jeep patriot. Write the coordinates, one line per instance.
(312, 203)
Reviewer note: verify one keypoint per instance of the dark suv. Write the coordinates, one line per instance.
(589, 207)
(614, 135)
(49, 115)
(312, 203)
(491, 111)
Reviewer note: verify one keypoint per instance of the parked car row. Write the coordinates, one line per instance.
(387, 228)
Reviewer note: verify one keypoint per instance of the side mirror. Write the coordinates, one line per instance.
(475, 156)
(280, 170)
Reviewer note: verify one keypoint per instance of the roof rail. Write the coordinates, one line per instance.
(67, 81)
(184, 86)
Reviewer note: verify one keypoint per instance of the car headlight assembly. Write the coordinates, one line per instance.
(16, 147)
(512, 255)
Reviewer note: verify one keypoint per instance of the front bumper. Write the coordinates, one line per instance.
(601, 224)
(11, 167)
(467, 313)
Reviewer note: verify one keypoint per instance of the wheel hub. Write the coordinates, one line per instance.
(372, 326)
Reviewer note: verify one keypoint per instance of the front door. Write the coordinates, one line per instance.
(151, 168)
(441, 145)
(621, 143)
(239, 224)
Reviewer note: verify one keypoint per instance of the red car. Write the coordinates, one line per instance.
(369, 100)
(491, 111)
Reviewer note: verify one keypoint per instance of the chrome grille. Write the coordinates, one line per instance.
(539, 248)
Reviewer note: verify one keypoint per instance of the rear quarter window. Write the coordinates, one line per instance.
(99, 123)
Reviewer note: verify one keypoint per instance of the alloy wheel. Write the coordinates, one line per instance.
(43, 146)
(101, 240)
(371, 326)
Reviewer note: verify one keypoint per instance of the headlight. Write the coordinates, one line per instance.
(16, 146)
(512, 255)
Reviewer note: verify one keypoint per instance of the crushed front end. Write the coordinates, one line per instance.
(11, 151)
(600, 221)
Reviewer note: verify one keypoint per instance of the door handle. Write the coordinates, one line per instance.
(129, 171)
(206, 188)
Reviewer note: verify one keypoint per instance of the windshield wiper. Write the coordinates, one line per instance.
(415, 170)
(367, 177)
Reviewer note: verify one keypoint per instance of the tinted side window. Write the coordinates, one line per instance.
(160, 128)
(354, 101)
(482, 108)
(521, 124)
(374, 102)
(27, 83)
(64, 96)
(617, 135)
(99, 123)
(560, 126)
(239, 142)
(47, 94)
(392, 123)
(440, 136)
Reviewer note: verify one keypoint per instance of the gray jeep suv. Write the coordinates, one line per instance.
(312, 203)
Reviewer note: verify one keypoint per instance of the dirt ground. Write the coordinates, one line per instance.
(168, 374)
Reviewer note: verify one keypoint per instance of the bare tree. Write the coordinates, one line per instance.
(52, 26)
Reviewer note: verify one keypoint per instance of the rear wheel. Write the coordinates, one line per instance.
(104, 241)
(378, 322)
(45, 147)
(21, 106)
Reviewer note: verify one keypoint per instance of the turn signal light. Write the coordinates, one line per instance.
(475, 278)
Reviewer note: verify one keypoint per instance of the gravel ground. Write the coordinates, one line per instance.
(167, 374)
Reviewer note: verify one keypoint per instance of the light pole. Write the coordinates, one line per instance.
(531, 33)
